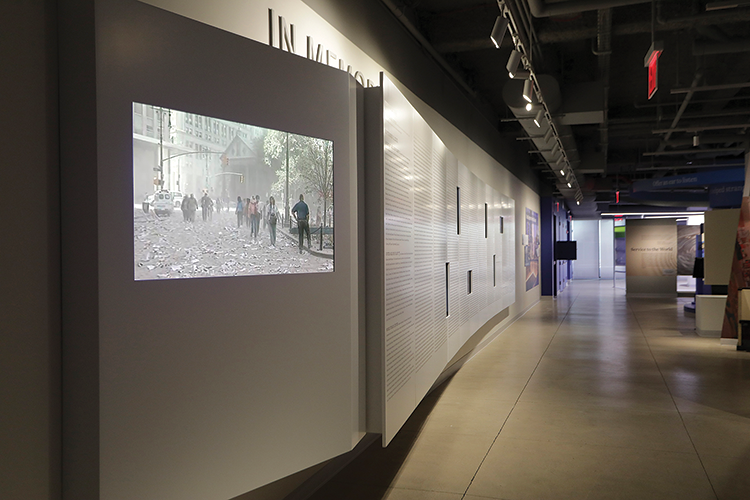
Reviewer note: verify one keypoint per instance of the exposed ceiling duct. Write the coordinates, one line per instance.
(558, 150)
(584, 61)
(542, 8)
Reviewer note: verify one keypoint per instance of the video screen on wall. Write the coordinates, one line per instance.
(212, 197)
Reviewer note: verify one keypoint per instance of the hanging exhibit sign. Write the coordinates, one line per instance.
(651, 61)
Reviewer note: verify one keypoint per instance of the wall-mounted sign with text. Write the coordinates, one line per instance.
(288, 25)
(651, 249)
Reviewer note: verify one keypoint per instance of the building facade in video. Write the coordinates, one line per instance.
(213, 197)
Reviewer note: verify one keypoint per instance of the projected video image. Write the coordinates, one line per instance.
(213, 197)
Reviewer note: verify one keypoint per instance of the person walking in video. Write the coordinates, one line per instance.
(253, 211)
(272, 216)
(184, 208)
(301, 214)
(206, 206)
(192, 208)
(240, 211)
(247, 215)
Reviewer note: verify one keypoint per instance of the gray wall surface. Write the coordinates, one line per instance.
(29, 253)
(195, 388)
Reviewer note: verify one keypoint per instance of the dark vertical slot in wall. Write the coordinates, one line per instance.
(485, 220)
(501, 224)
(494, 270)
(468, 282)
(447, 280)
(458, 210)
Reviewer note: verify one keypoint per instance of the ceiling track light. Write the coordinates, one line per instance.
(513, 62)
(548, 135)
(529, 106)
(538, 118)
(569, 185)
(498, 31)
(562, 171)
(527, 89)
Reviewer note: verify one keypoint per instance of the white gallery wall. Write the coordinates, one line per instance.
(446, 245)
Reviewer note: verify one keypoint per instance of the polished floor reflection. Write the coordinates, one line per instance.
(588, 396)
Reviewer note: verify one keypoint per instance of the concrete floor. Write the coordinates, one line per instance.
(588, 396)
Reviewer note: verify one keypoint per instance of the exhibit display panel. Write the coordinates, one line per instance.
(447, 248)
(719, 245)
(212, 387)
(651, 256)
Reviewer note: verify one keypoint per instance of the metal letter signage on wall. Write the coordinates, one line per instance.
(259, 21)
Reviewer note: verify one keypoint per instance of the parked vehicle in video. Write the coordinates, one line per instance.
(162, 203)
(177, 198)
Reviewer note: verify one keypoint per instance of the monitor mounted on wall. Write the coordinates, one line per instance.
(565, 250)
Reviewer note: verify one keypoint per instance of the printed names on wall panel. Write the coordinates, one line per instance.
(444, 257)
(399, 253)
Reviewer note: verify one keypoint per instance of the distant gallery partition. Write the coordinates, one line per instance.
(651, 256)
(442, 242)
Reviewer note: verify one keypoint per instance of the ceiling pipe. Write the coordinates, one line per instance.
(724, 4)
(547, 36)
(704, 49)
(709, 139)
(540, 8)
(604, 50)
(639, 27)
(709, 88)
(680, 111)
(700, 101)
(686, 116)
(696, 151)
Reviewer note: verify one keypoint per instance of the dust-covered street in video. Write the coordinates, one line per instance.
(167, 247)
(214, 197)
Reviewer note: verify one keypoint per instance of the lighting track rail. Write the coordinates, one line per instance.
(522, 56)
